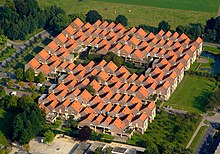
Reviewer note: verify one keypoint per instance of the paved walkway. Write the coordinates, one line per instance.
(213, 119)
(211, 44)
(195, 133)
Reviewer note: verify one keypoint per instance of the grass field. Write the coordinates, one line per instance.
(198, 137)
(194, 66)
(139, 14)
(149, 13)
(213, 50)
(5, 125)
(190, 94)
(196, 5)
(209, 64)
(165, 130)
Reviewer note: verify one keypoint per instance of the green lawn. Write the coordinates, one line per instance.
(8, 52)
(213, 50)
(198, 138)
(196, 5)
(194, 66)
(5, 125)
(209, 64)
(167, 130)
(138, 15)
(190, 94)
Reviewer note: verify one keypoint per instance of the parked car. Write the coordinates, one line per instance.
(13, 93)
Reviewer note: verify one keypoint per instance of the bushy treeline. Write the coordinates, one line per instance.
(28, 121)
(19, 18)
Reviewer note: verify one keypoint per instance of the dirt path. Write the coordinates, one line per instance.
(218, 14)
(202, 60)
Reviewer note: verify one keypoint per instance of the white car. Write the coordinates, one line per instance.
(14, 93)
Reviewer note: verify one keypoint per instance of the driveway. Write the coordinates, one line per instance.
(213, 119)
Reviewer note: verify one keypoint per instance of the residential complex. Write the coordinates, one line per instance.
(122, 102)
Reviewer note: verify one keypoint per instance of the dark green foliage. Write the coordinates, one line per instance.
(94, 78)
(32, 87)
(59, 22)
(121, 19)
(113, 57)
(40, 78)
(8, 52)
(29, 75)
(107, 150)
(3, 39)
(85, 133)
(168, 133)
(48, 136)
(19, 73)
(92, 16)
(96, 136)
(90, 89)
(148, 28)
(73, 16)
(21, 17)
(163, 25)
(2, 91)
(42, 88)
(9, 102)
(213, 100)
(28, 122)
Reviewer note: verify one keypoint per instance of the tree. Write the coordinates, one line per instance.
(28, 122)
(48, 136)
(2, 151)
(117, 60)
(73, 124)
(213, 100)
(85, 133)
(19, 73)
(24, 101)
(121, 19)
(92, 16)
(59, 22)
(2, 91)
(98, 151)
(107, 58)
(10, 102)
(21, 84)
(11, 84)
(29, 75)
(32, 87)
(163, 25)
(210, 35)
(90, 89)
(40, 78)
(3, 39)
(42, 88)
(34, 95)
(180, 29)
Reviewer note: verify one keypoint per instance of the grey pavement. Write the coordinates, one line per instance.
(18, 92)
(211, 44)
(20, 47)
(213, 119)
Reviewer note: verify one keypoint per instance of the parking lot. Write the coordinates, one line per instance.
(58, 146)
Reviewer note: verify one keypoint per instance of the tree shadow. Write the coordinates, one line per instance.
(28, 57)
(37, 49)
(46, 41)
(201, 101)
(6, 123)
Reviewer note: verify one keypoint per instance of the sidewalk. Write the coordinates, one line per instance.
(195, 133)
